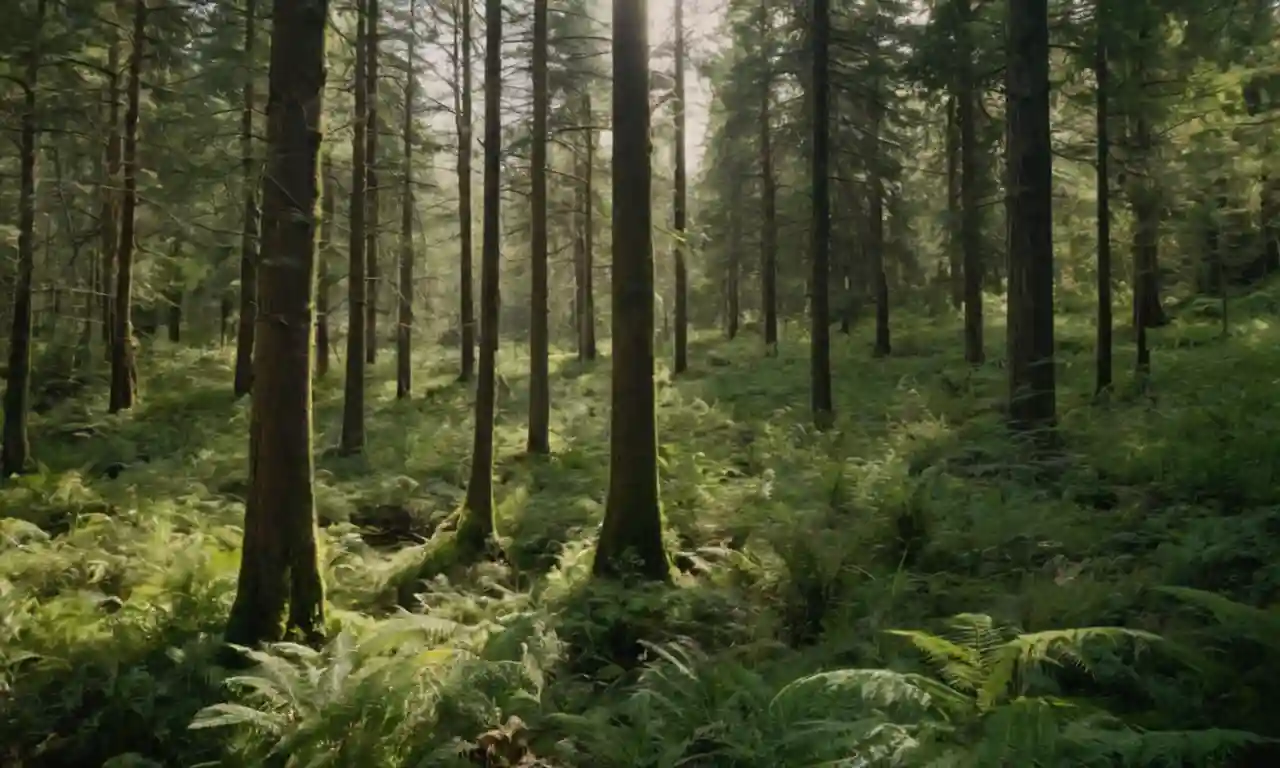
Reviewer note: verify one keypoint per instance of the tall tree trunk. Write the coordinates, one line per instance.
(631, 536)
(578, 223)
(733, 288)
(110, 227)
(1030, 217)
(679, 213)
(15, 450)
(539, 440)
(768, 197)
(876, 206)
(249, 230)
(1148, 310)
(588, 241)
(820, 178)
(468, 319)
(371, 226)
(971, 214)
(955, 244)
(281, 590)
(352, 441)
(1102, 96)
(124, 372)
(477, 531)
(328, 210)
(404, 314)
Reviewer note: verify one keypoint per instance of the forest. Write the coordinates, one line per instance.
(642, 383)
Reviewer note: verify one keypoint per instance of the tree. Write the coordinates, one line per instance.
(124, 372)
(280, 591)
(324, 280)
(1030, 217)
(352, 441)
(1102, 97)
(820, 330)
(681, 203)
(370, 53)
(404, 324)
(970, 215)
(769, 193)
(15, 449)
(462, 108)
(585, 293)
(249, 226)
(631, 535)
(477, 530)
(539, 342)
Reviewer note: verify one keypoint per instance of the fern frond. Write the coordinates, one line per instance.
(1260, 626)
(959, 665)
(1035, 649)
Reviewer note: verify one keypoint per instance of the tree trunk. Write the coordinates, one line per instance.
(249, 232)
(539, 440)
(971, 214)
(328, 210)
(404, 319)
(820, 178)
(468, 320)
(631, 536)
(124, 372)
(352, 441)
(173, 322)
(477, 531)
(1030, 217)
(371, 226)
(110, 227)
(733, 287)
(1102, 96)
(955, 243)
(1148, 310)
(15, 451)
(875, 188)
(768, 197)
(578, 222)
(280, 591)
(588, 242)
(679, 214)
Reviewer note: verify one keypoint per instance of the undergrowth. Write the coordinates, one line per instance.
(908, 588)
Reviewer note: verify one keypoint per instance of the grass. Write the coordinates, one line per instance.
(907, 587)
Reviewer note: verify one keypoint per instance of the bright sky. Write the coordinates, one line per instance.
(702, 22)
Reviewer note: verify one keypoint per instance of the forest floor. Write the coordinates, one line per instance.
(799, 548)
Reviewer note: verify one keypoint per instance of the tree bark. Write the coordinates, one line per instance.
(280, 591)
(588, 240)
(249, 231)
(1102, 96)
(955, 245)
(353, 438)
(631, 543)
(539, 441)
(328, 210)
(404, 315)
(681, 203)
(733, 287)
(371, 226)
(124, 372)
(875, 206)
(820, 178)
(971, 214)
(768, 198)
(110, 227)
(468, 319)
(477, 531)
(1030, 218)
(15, 450)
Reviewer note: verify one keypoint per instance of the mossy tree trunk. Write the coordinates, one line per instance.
(15, 449)
(281, 592)
(250, 223)
(124, 372)
(352, 441)
(324, 279)
(631, 536)
(539, 441)
(1030, 218)
(477, 529)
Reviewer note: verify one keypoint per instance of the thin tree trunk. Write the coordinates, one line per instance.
(404, 324)
(768, 197)
(15, 450)
(679, 214)
(733, 289)
(580, 249)
(631, 536)
(124, 372)
(371, 227)
(955, 246)
(328, 210)
(468, 320)
(281, 591)
(589, 239)
(353, 438)
(1102, 96)
(110, 230)
(820, 331)
(876, 206)
(1030, 217)
(477, 531)
(539, 441)
(971, 214)
(249, 232)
